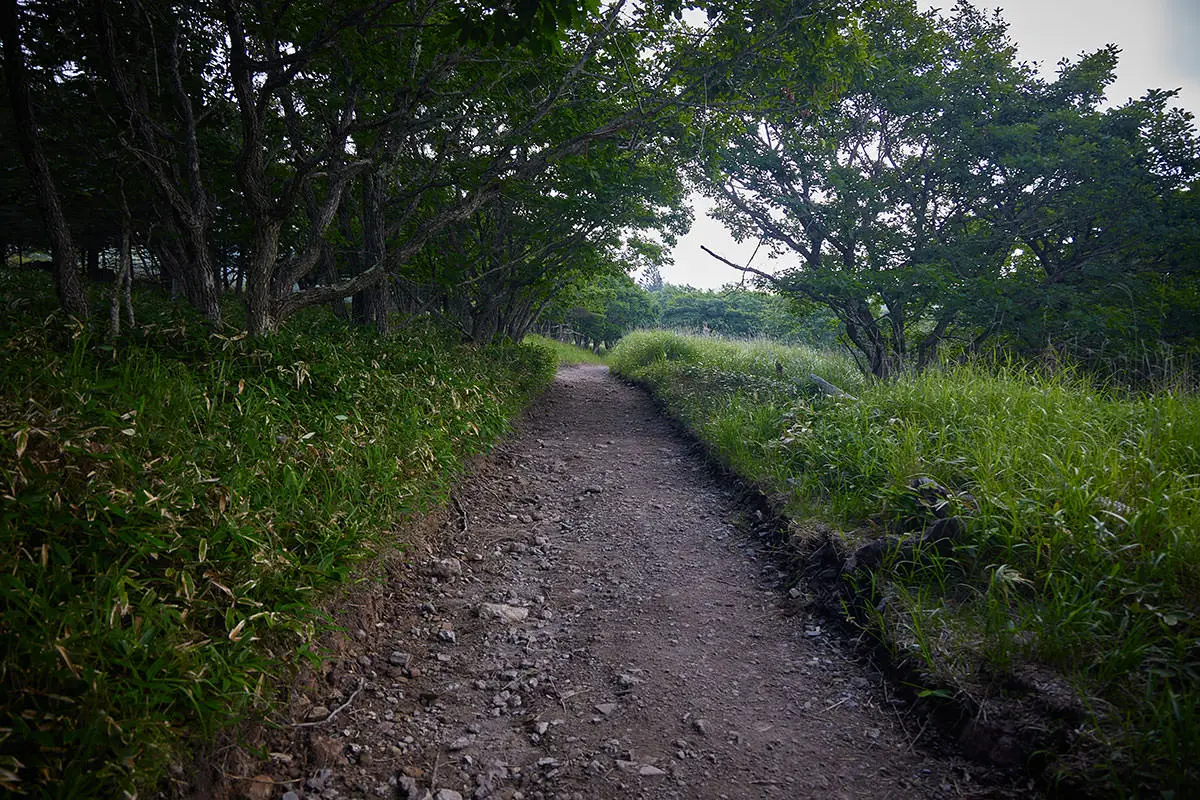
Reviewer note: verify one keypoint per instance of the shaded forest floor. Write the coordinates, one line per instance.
(592, 620)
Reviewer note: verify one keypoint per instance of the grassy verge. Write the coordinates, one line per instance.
(564, 352)
(175, 503)
(1081, 549)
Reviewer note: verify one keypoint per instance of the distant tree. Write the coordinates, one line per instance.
(599, 310)
(738, 312)
(652, 279)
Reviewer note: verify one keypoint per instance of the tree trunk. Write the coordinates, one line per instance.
(95, 270)
(261, 316)
(373, 305)
(122, 292)
(121, 288)
(66, 274)
(485, 323)
(199, 273)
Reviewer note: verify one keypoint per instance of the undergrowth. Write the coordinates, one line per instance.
(565, 353)
(175, 503)
(1082, 512)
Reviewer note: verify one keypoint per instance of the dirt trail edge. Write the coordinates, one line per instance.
(594, 626)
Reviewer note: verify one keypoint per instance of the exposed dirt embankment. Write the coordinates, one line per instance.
(592, 622)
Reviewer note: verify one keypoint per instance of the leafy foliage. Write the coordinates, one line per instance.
(600, 311)
(743, 314)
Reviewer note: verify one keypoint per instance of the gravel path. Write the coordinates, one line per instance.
(589, 623)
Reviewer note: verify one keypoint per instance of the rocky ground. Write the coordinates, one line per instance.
(592, 621)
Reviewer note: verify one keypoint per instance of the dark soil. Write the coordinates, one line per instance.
(593, 619)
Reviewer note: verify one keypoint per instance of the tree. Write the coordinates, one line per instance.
(1095, 199)
(873, 194)
(62, 248)
(299, 154)
(167, 99)
(739, 312)
(908, 200)
(601, 309)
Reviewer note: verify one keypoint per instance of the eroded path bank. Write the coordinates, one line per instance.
(589, 623)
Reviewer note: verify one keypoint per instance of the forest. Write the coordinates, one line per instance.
(261, 259)
(479, 164)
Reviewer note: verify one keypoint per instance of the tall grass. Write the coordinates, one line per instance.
(175, 503)
(565, 353)
(1082, 508)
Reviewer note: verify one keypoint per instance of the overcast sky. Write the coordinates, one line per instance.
(1160, 44)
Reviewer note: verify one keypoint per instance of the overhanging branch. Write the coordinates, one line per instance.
(747, 268)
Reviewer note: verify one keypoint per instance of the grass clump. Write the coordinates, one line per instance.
(734, 395)
(1082, 514)
(564, 352)
(174, 504)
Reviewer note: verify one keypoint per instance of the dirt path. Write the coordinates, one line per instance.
(596, 627)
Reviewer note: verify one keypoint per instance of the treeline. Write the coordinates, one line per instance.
(601, 312)
(477, 161)
(433, 157)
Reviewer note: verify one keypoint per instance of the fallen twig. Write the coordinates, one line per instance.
(361, 683)
(835, 705)
(437, 764)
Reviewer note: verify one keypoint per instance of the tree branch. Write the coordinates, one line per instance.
(764, 275)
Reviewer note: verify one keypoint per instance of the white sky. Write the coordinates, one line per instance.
(1160, 44)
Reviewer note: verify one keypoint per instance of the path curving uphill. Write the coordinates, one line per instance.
(591, 624)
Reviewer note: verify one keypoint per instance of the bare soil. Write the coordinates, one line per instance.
(593, 620)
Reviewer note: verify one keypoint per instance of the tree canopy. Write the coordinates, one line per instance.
(476, 161)
(950, 195)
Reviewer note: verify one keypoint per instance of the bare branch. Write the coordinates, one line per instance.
(754, 271)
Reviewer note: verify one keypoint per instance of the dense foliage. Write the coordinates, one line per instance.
(174, 508)
(1081, 508)
(481, 163)
(599, 312)
(435, 157)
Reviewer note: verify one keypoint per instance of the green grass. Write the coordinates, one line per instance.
(565, 353)
(1082, 506)
(176, 504)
